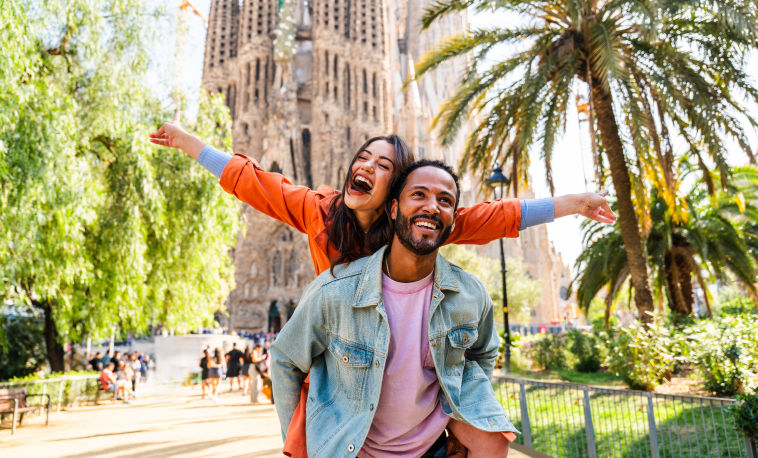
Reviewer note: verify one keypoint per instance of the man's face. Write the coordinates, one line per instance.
(425, 212)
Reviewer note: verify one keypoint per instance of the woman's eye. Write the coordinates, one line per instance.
(384, 166)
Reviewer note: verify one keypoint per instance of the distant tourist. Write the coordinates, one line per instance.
(247, 360)
(110, 383)
(233, 363)
(136, 367)
(204, 376)
(259, 361)
(96, 362)
(216, 371)
(116, 358)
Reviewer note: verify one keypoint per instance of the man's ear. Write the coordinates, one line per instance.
(393, 211)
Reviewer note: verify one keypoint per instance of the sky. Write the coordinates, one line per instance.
(572, 160)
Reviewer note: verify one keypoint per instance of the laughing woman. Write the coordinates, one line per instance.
(345, 225)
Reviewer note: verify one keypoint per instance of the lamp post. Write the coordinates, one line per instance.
(497, 179)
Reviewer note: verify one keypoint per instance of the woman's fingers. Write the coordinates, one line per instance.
(177, 116)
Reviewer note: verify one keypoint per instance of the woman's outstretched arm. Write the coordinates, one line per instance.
(270, 193)
(487, 221)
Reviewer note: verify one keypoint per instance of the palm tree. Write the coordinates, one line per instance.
(656, 71)
(715, 238)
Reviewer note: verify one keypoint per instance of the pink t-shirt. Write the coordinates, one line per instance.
(409, 417)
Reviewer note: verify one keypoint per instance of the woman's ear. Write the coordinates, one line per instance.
(393, 213)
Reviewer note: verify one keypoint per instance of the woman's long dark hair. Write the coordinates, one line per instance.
(344, 235)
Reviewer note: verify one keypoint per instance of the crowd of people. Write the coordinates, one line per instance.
(121, 374)
(240, 365)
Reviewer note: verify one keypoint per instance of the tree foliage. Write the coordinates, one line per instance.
(713, 243)
(523, 292)
(99, 228)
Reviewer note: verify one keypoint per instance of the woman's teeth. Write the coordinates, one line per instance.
(364, 182)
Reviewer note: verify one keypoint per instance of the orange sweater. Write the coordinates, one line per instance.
(307, 210)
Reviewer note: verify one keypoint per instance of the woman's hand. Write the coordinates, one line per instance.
(592, 205)
(172, 135)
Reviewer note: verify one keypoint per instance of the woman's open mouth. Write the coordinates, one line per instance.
(360, 184)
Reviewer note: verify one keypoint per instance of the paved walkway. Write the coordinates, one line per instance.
(167, 421)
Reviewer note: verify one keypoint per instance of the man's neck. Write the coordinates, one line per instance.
(407, 267)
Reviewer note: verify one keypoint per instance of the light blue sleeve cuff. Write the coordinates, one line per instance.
(215, 160)
(536, 211)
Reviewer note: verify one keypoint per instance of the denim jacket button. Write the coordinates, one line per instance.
(350, 448)
(345, 360)
(376, 364)
(371, 407)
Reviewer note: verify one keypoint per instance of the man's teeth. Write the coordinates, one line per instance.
(368, 183)
(425, 224)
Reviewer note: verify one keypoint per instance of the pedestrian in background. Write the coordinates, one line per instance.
(233, 363)
(247, 360)
(204, 372)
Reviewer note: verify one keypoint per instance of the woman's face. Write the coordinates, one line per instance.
(372, 172)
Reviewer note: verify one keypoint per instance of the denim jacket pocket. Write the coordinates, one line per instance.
(353, 362)
(458, 341)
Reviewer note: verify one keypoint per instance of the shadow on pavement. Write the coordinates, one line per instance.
(171, 450)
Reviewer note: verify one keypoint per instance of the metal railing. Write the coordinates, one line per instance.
(570, 420)
(65, 391)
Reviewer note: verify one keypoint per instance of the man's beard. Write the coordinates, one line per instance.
(423, 246)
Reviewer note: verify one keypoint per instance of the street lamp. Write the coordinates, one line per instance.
(497, 179)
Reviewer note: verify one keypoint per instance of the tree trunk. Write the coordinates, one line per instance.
(679, 280)
(52, 344)
(630, 232)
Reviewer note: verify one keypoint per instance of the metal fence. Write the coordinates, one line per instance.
(534, 329)
(570, 420)
(64, 391)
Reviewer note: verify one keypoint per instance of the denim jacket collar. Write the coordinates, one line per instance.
(369, 290)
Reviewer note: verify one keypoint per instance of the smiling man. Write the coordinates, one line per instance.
(399, 345)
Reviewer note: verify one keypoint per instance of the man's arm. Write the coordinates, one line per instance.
(484, 350)
(302, 339)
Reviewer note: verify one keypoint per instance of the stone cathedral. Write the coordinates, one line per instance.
(307, 82)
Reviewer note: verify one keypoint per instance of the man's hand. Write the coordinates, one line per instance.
(455, 449)
(172, 135)
(592, 205)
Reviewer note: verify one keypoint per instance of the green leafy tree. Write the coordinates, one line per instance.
(99, 228)
(657, 71)
(523, 292)
(711, 239)
(22, 349)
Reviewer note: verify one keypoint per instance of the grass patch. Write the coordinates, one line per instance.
(592, 378)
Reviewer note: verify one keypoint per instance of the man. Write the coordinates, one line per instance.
(109, 383)
(233, 363)
(384, 341)
(116, 358)
(96, 362)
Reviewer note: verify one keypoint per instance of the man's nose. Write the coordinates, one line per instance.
(431, 207)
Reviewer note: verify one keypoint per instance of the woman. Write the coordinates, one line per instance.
(216, 370)
(259, 360)
(246, 361)
(345, 225)
(204, 372)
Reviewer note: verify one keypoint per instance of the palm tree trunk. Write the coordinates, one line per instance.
(630, 231)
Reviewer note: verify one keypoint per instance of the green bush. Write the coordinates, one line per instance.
(22, 351)
(746, 415)
(585, 346)
(547, 351)
(643, 357)
(725, 352)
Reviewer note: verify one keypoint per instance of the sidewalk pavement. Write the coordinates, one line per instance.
(166, 421)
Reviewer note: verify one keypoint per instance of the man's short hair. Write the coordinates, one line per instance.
(234, 344)
(111, 364)
(397, 189)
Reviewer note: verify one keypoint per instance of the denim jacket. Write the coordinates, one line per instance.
(339, 333)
